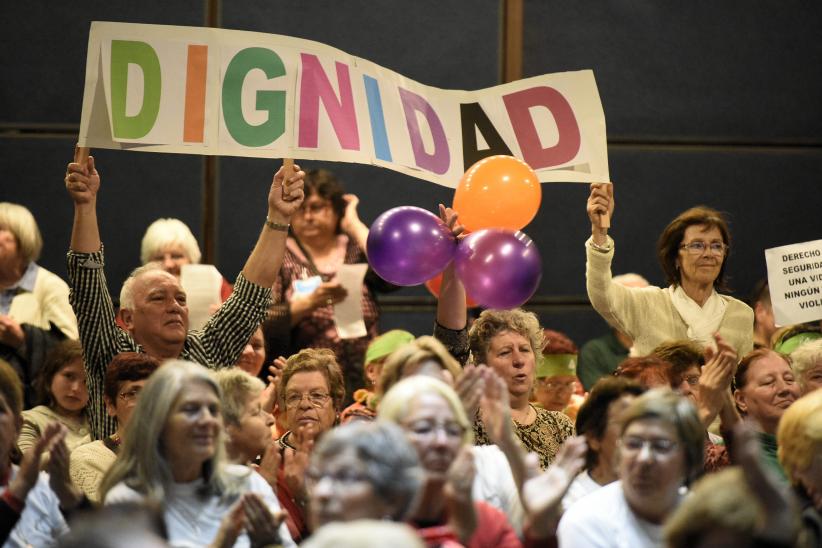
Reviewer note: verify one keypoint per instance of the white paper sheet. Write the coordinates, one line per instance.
(795, 282)
(348, 314)
(202, 283)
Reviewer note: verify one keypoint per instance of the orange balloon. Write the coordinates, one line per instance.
(434, 284)
(498, 192)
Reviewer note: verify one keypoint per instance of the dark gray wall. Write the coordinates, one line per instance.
(706, 102)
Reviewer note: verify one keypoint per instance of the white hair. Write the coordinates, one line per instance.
(19, 221)
(164, 232)
(806, 356)
(127, 291)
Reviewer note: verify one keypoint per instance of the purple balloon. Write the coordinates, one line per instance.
(408, 245)
(499, 268)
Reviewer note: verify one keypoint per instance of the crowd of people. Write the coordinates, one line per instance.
(694, 422)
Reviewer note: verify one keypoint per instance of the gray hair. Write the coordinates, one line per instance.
(164, 232)
(364, 533)
(236, 386)
(805, 357)
(127, 291)
(391, 462)
(19, 221)
(668, 406)
(142, 464)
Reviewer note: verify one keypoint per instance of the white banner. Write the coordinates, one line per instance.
(210, 91)
(795, 282)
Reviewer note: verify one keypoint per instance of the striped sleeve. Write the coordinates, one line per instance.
(99, 334)
(222, 339)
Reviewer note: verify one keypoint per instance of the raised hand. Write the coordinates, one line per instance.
(451, 220)
(462, 516)
(286, 195)
(260, 523)
(496, 409)
(269, 465)
(542, 494)
(231, 526)
(82, 181)
(600, 208)
(29, 469)
(470, 387)
(268, 397)
(59, 480)
(295, 461)
(715, 380)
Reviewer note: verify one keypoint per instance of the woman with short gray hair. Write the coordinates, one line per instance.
(362, 470)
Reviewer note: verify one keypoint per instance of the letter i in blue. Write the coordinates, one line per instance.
(372, 92)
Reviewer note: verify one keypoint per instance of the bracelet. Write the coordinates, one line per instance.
(605, 248)
(276, 226)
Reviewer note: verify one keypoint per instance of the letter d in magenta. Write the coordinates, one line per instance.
(439, 160)
(519, 104)
(123, 54)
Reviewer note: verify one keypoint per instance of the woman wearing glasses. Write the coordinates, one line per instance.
(692, 251)
(660, 454)
(436, 424)
(125, 377)
(310, 396)
(326, 234)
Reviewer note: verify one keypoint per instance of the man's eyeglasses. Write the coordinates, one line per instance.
(698, 248)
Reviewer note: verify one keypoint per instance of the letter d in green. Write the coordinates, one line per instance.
(123, 53)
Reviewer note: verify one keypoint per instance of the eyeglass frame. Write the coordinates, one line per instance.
(131, 395)
(312, 398)
(712, 248)
(657, 446)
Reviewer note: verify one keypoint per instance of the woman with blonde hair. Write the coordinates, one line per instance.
(422, 356)
(800, 452)
(34, 307)
(806, 362)
(247, 424)
(174, 454)
(435, 422)
(660, 454)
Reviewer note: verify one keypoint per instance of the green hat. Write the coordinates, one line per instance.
(386, 343)
(555, 365)
(786, 346)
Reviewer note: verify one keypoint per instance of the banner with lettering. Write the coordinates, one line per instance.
(210, 91)
(795, 282)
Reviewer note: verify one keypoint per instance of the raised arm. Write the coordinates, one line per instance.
(451, 309)
(600, 210)
(284, 198)
(83, 182)
(351, 223)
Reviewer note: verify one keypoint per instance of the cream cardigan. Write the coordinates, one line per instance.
(48, 303)
(647, 314)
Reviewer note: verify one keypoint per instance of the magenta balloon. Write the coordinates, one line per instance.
(499, 268)
(408, 245)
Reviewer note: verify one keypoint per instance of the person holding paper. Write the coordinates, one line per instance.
(170, 243)
(154, 309)
(326, 236)
(693, 251)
